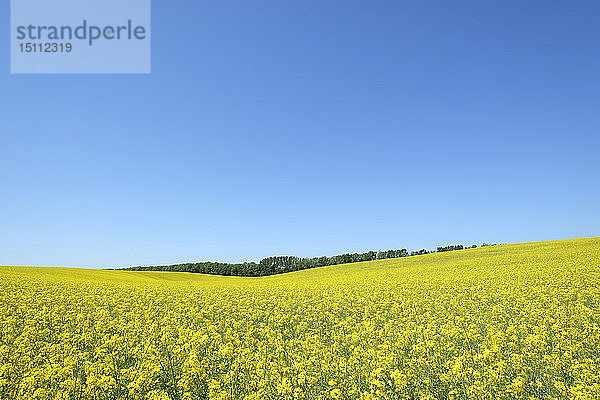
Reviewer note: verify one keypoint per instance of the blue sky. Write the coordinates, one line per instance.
(309, 128)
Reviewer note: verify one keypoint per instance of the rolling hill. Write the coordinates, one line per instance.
(513, 321)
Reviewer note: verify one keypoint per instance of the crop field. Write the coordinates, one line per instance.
(502, 322)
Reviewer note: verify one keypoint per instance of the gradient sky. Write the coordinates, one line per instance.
(309, 128)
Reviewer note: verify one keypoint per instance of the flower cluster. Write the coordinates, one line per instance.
(504, 322)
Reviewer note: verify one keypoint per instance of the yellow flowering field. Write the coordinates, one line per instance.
(502, 322)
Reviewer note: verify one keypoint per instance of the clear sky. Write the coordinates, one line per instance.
(309, 128)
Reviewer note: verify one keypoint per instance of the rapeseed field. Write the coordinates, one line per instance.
(503, 322)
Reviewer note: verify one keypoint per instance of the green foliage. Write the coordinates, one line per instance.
(450, 248)
(281, 264)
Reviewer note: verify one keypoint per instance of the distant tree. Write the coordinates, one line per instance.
(281, 264)
(450, 248)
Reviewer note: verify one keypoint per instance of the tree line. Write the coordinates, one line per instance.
(281, 264)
